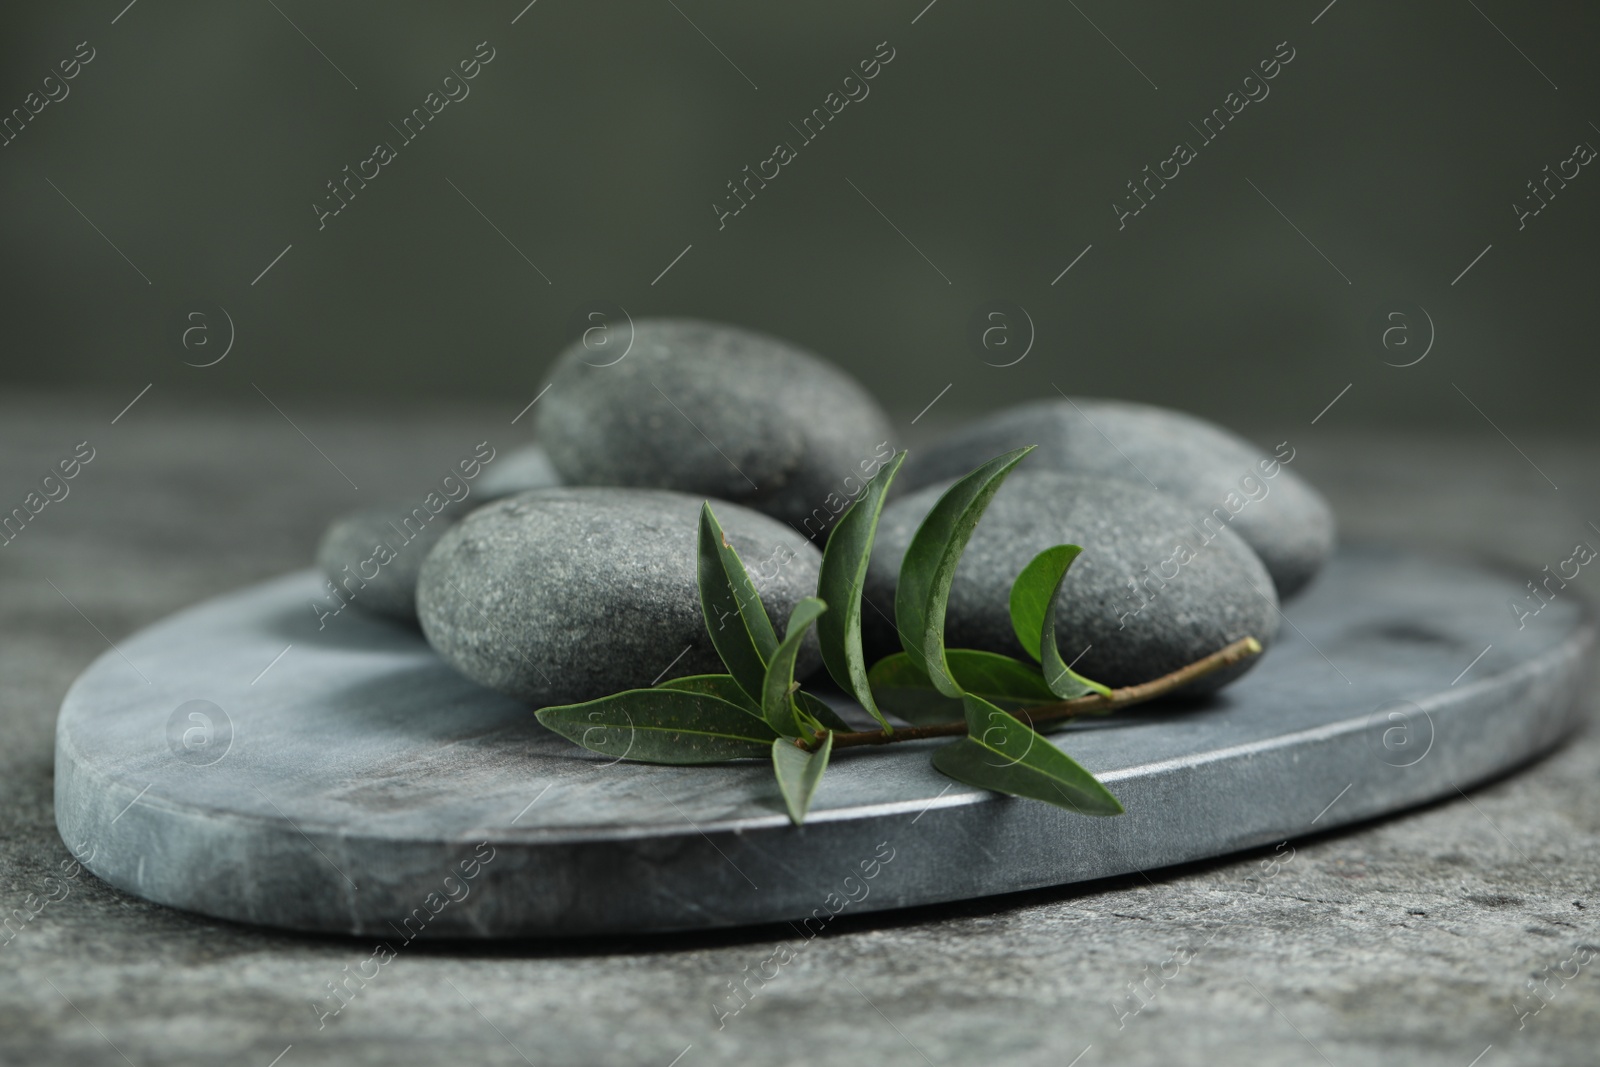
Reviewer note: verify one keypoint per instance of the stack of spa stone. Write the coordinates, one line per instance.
(569, 573)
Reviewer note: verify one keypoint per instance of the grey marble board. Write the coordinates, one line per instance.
(234, 760)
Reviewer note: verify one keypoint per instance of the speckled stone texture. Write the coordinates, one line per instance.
(372, 557)
(1216, 474)
(1406, 942)
(1215, 592)
(563, 595)
(717, 411)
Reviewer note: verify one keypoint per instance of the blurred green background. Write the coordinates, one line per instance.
(991, 150)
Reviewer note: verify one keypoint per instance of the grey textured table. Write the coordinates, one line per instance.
(1410, 940)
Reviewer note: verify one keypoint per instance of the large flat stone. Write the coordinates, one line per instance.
(341, 797)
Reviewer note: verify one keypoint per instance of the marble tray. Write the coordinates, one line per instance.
(235, 761)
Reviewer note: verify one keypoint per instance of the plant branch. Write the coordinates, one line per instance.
(1240, 650)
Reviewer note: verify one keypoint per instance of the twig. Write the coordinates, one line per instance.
(1240, 650)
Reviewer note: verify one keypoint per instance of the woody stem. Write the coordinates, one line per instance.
(1240, 650)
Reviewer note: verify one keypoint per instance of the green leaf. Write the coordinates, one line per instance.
(844, 572)
(1005, 755)
(1033, 617)
(779, 685)
(920, 707)
(905, 689)
(930, 565)
(661, 726)
(818, 709)
(721, 686)
(735, 618)
(798, 773)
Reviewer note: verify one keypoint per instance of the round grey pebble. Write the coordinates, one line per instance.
(517, 470)
(1195, 595)
(1216, 475)
(559, 596)
(372, 557)
(717, 411)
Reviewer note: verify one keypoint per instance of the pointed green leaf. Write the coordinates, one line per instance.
(661, 726)
(905, 689)
(1033, 617)
(1004, 754)
(721, 686)
(920, 707)
(844, 572)
(819, 710)
(735, 618)
(798, 773)
(930, 565)
(779, 685)
(1033, 594)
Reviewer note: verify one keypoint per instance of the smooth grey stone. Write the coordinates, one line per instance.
(516, 470)
(720, 411)
(385, 583)
(563, 595)
(339, 795)
(1282, 517)
(370, 558)
(1128, 532)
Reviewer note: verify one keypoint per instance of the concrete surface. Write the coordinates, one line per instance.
(1408, 941)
